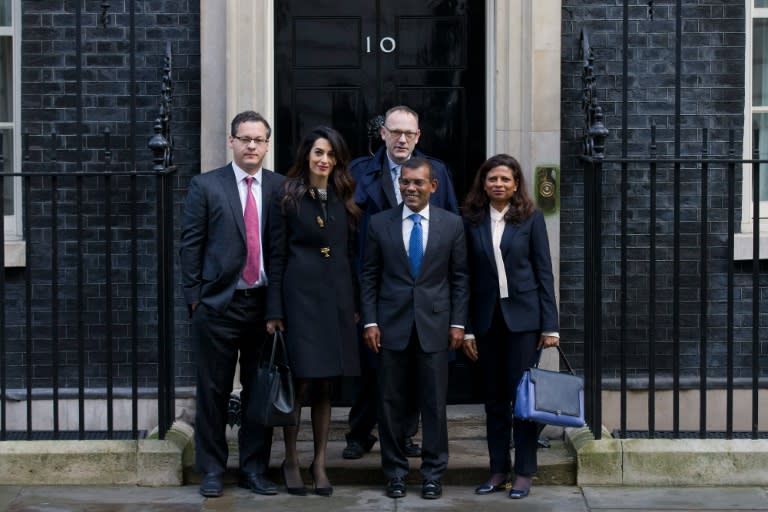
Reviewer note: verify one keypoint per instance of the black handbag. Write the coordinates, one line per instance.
(550, 397)
(273, 399)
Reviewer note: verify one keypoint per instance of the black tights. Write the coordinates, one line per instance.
(320, 391)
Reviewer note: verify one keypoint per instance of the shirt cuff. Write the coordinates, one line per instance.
(552, 333)
(458, 326)
(469, 336)
(374, 324)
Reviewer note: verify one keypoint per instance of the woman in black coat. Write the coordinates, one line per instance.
(312, 293)
(513, 310)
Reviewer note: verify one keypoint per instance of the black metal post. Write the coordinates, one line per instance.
(756, 286)
(703, 288)
(594, 153)
(730, 342)
(55, 304)
(676, 221)
(652, 290)
(159, 145)
(624, 222)
(3, 359)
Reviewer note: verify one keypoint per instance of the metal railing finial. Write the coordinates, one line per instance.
(595, 131)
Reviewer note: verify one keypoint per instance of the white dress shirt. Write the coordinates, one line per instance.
(242, 189)
(408, 227)
(497, 230)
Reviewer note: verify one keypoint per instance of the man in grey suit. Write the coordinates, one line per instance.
(224, 281)
(414, 288)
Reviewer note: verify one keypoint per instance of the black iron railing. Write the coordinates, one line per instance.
(87, 319)
(668, 308)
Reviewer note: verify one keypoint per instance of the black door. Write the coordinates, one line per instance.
(343, 62)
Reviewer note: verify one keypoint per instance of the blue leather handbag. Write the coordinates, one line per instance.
(550, 397)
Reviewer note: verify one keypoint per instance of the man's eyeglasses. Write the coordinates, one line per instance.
(396, 134)
(247, 140)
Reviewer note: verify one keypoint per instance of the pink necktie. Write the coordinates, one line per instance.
(251, 217)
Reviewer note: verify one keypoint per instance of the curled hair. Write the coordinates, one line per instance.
(476, 204)
(340, 179)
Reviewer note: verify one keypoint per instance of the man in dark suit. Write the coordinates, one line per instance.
(377, 190)
(224, 281)
(414, 287)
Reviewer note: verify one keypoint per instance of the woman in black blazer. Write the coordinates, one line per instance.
(312, 293)
(513, 310)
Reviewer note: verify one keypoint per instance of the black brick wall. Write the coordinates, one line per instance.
(49, 104)
(712, 97)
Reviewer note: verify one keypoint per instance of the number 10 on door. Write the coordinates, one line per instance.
(386, 45)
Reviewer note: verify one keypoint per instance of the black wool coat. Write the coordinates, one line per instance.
(312, 286)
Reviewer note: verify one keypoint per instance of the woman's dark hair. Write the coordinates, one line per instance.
(477, 202)
(340, 178)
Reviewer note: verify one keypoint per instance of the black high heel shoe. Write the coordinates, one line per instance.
(489, 487)
(320, 491)
(521, 487)
(296, 491)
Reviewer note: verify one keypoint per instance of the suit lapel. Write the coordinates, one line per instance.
(375, 193)
(267, 188)
(386, 182)
(510, 230)
(395, 233)
(486, 240)
(229, 184)
(434, 236)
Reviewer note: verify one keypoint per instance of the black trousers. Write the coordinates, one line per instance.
(503, 356)
(218, 339)
(364, 413)
(424, 375)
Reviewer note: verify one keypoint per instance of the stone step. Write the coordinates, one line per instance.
(468, 463)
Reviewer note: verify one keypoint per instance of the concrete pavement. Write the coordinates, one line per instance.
(367, 498)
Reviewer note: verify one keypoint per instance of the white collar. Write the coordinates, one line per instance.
(392, 163)
(240, 174)
(407, 212)
(497, 215)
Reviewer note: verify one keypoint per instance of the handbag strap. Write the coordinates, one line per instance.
(562, 357)
(277, 337)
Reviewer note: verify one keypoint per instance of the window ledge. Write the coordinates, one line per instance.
(742, 246)
(15, 253)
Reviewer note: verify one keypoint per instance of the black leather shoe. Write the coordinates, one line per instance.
(355, 449)
(257, 483)
(396, 488)
(431, 489)
(212, 485)
(411, 449)
(488, 487)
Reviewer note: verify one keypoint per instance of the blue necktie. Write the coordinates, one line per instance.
(415, 244)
